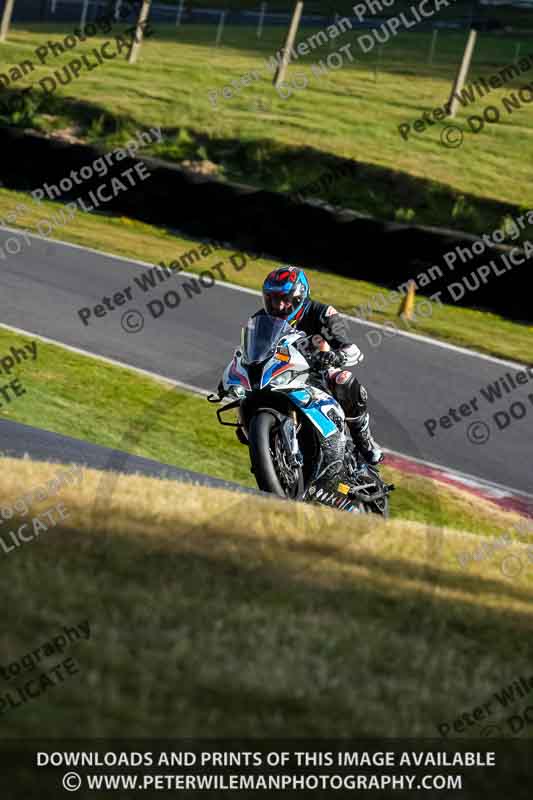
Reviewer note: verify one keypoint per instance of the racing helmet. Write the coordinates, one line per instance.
(286, 294)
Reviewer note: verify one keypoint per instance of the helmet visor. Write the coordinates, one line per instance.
(281, 304)
(278, 304)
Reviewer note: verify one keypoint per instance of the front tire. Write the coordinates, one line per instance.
(262, 432)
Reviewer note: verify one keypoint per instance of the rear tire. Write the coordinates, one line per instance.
(260, 434)
(380, 507)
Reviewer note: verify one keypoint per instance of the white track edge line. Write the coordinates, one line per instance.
(204, 392)
(452, 471)
(113, 361)
(408, 334)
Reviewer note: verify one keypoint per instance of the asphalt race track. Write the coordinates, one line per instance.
(409, 379)
(21, 441)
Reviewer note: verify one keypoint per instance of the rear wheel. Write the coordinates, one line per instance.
(380, 506)
(272, 471)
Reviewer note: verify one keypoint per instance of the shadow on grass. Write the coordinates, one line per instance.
(258, 636)
(375, 190)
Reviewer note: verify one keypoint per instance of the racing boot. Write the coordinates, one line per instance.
(363, 439)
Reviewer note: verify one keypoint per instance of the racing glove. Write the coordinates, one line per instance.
(324, 360)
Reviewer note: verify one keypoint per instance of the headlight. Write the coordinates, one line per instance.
(238, 391)
(281, 380)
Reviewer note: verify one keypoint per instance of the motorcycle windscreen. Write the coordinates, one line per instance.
(261, 336)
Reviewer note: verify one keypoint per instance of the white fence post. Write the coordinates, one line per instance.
(281, 71)
(180, 13)
(6, 19)
(462, 73)
(139, 31)
(261, 20)
(84, 16)
(220, 28)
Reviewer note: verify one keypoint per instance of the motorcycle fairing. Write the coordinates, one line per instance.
(314, 404)
(273, 370)
(236, 376)
(271, 341)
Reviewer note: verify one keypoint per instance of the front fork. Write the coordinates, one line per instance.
(242, 429)
(289, 433)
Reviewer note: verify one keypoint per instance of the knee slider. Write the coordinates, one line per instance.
(352, 396)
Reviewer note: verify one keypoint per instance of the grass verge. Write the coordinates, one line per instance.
(257, 136)
(211, 614)
(106, 405)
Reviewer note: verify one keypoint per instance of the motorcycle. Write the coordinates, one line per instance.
(286, 416)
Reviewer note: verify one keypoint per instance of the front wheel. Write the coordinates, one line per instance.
(269, 459)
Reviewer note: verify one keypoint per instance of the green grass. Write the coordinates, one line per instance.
(252, 618)
(346, 114)
(240, 617)
(479, 330)
(243, 616)
(82, 397)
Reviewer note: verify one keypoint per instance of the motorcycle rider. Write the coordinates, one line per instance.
(286, 294)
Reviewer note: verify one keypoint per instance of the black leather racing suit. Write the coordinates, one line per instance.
(322, 320)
